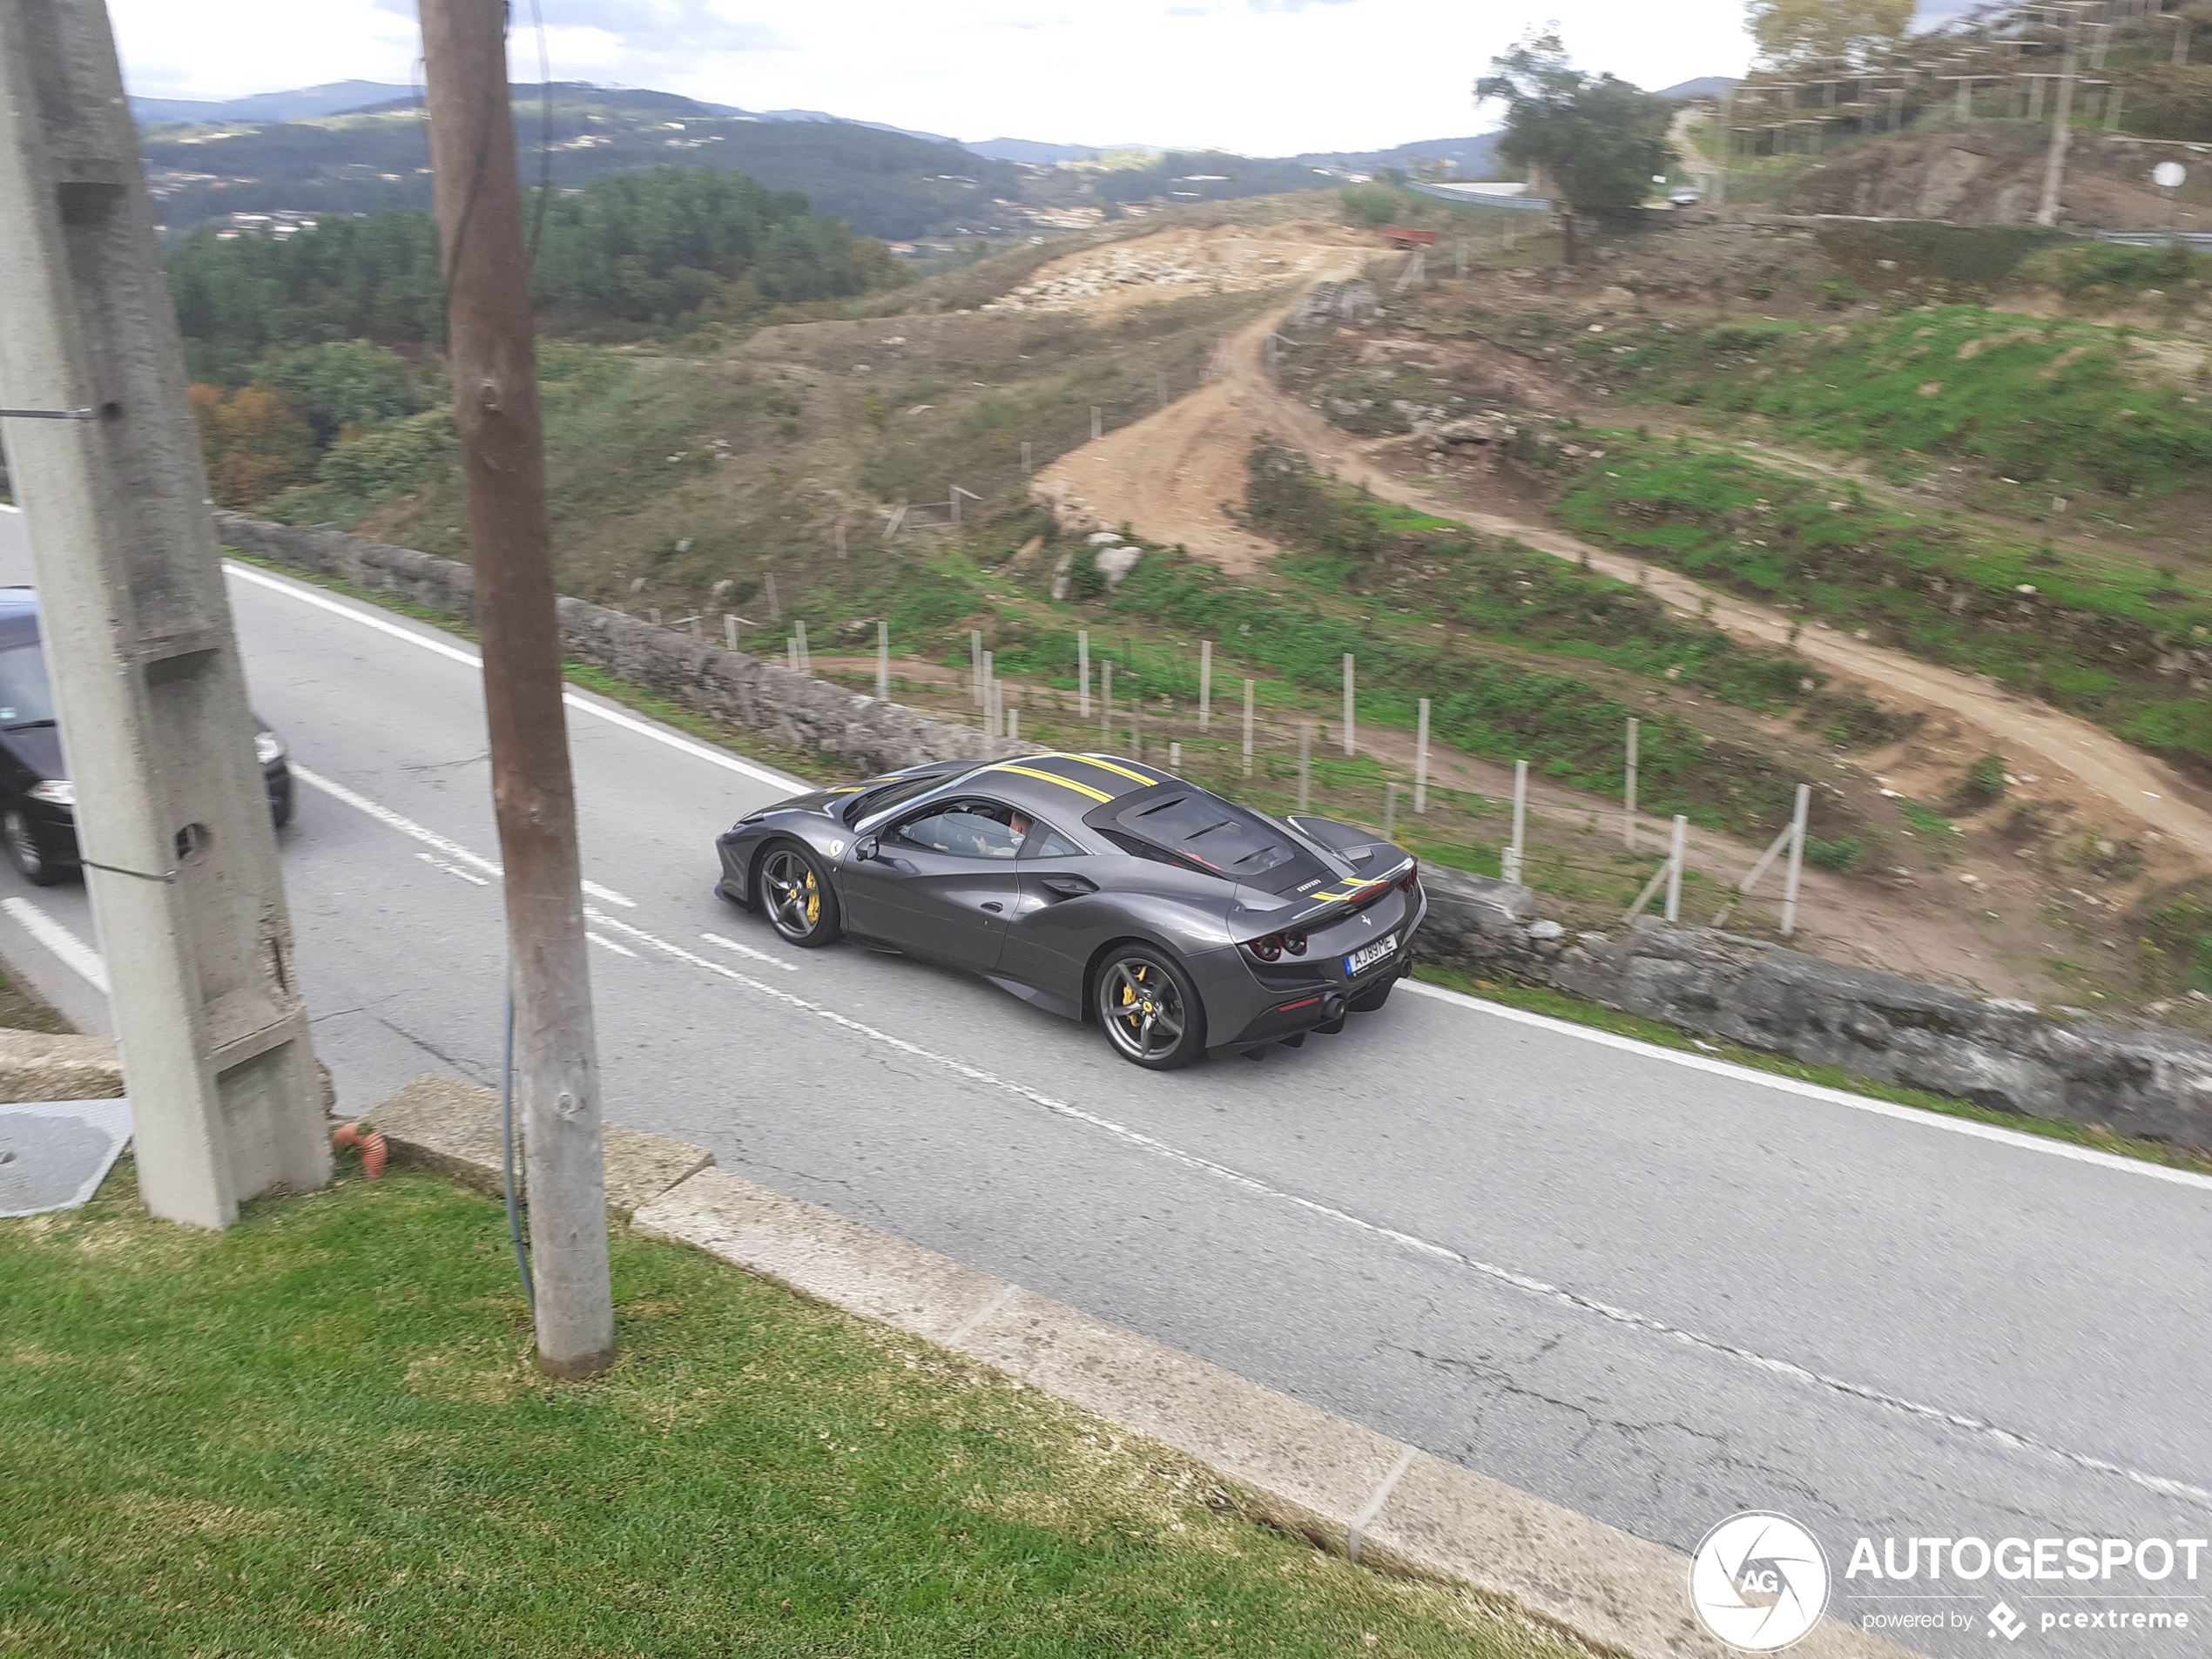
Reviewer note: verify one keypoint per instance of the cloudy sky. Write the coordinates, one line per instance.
(1262, 77)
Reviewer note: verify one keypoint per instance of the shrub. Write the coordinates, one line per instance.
(1840, 853)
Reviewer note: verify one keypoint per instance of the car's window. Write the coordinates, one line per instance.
(25, 696)
(1045, 842)
(883, 797)
(971, 829)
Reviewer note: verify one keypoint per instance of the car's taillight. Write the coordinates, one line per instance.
(1272, 948)
(1411, 878)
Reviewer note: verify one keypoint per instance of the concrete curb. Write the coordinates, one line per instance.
(1347, 1488)
(36, 1066)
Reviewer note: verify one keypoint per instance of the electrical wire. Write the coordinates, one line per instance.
(544, 134)
(507, 1161)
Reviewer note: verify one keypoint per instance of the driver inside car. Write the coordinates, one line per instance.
(973, 829)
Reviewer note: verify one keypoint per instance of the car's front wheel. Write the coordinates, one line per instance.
(796, 897)
(24, 851)
(1149, 1008)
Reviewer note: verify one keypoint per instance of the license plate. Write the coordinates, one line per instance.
(1368, 956)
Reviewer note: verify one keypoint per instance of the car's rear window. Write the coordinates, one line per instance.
(1200, 829)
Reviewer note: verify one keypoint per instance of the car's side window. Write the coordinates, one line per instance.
(972, 829)
(1045, 842)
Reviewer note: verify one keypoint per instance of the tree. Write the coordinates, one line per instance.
(1798, 32)
(255, 443)
(1597, 140)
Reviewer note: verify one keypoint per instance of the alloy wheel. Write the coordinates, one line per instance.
(791, 892)
(1144, 1009)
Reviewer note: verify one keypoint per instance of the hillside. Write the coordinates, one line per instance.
(882, 184)
(1561, 499)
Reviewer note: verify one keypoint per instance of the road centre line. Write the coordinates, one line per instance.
(470, 876)
(429, 838)
(576, 700)
(1573, 1300)
(1916, 1115)
(72, 952)
(747, 950)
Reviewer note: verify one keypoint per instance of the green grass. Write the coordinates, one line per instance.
(2052, 402)
(1538, 998)
(321, 1433)
(2085, 634)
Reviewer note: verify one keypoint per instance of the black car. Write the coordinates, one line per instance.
(1096, 887)
(37, 801)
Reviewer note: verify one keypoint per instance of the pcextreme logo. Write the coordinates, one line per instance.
(1759, 1581)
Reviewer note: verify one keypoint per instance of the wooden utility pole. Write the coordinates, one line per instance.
(496, 409)
(181, 862)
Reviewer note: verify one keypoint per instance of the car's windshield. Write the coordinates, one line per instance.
(26, 698)
(882, 796)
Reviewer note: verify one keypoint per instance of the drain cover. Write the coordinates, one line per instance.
(55, 1154)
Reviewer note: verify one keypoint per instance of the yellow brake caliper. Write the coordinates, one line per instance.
(814, 901)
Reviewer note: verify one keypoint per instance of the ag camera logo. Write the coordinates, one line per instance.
(1759, 1581)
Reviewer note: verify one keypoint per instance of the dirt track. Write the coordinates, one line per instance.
(1171, 473)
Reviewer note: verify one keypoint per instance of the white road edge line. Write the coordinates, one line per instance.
(430, 838)
(606, 943)
(574, 699)
(73, 953)
(1918, 1115)
(1557, 1295)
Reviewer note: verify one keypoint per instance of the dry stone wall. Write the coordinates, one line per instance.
(2153, 1084)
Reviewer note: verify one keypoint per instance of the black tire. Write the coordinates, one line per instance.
(1148, 1008)
(1373, 997)
(25, 852)
(794, 895)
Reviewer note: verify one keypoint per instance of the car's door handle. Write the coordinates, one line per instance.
(994, 907)
(1068, 887)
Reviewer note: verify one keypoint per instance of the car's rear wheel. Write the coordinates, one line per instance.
(1149, 1008)
(24, 851)
(1373, 997)
(796, 897)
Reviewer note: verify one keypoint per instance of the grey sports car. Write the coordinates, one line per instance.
(1099, 888)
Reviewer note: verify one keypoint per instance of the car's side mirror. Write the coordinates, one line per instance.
(865, 849)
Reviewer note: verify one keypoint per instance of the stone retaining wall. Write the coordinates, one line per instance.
(2154, 1084)
(792, 709)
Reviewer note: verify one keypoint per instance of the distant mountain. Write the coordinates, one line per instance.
(335, 98)
(1704, 86)
(1472, 158)
(873, 127)
(880, 182)
(1038, 155)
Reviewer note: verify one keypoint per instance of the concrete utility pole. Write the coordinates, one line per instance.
(180, 858)
(495, 408)
(2047, 211)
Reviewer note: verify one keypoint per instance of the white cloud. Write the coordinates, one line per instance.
(1265, 76)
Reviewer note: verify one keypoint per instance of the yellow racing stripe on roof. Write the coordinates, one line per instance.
(1109, 765)
(1052, 778)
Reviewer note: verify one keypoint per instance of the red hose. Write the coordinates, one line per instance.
(373, 1148)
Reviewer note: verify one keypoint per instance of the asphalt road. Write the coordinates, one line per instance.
(1648, 1286)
